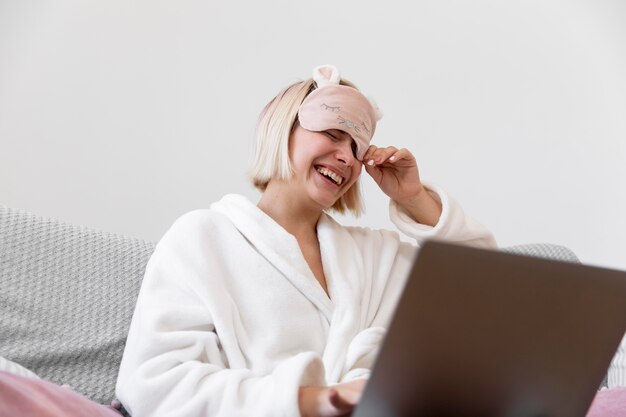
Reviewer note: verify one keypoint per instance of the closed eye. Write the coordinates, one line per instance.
(336, 138)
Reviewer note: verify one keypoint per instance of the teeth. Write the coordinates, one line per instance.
(330, 174)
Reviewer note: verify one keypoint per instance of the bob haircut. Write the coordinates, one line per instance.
(271, 157)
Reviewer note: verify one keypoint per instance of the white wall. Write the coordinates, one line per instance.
(122, 115)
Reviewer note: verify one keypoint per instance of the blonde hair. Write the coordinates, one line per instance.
(274, 127)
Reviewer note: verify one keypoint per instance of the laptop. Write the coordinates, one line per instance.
(492, 334)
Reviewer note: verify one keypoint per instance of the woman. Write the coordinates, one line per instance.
(275, 309)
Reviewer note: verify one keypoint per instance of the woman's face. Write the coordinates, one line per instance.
(324, 163)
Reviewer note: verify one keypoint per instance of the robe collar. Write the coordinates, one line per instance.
(341, 258)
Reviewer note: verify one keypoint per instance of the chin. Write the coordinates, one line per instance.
(324, 201)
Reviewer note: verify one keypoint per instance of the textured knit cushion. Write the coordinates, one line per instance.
(22, 396)
(544, 250)
(67, 295)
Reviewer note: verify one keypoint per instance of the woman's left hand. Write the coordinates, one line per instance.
(395, 171)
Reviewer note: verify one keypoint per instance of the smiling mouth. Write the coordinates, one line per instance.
(337, 179)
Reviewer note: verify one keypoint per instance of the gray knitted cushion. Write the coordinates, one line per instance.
(544, 250)
(67, 295)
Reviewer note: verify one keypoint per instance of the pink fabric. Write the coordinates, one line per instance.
(343, 108)
(23, 396)
(609, 403)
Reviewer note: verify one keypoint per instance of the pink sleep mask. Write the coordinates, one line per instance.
(334, 106)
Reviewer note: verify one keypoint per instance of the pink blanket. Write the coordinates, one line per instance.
(23, 396)
(609, 403)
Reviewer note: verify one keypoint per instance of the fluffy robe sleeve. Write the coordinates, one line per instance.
(173, 365)
(453, 226)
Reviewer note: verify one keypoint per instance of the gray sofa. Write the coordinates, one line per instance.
(67, 295)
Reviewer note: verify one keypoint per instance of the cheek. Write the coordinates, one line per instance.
(356, 173)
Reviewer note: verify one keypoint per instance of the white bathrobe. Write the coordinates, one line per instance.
(230, 320)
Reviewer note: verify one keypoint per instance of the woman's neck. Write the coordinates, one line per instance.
(293, 215)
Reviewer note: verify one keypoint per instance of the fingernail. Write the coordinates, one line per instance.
(393, 158)
(370, 162)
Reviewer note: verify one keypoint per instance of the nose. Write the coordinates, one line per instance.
(345, 154)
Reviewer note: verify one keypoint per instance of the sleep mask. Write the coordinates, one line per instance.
(334, 106)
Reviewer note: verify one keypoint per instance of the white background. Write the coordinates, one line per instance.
(122, 115)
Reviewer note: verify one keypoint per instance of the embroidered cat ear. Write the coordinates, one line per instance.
(326, 75)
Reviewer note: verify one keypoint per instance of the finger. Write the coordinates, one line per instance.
(380, 155)
(401, 154)
(368, 154)
(385, 154)
(356, 388)
(340, 401)
(374, 171)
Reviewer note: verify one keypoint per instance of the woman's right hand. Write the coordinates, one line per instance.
(335, 401)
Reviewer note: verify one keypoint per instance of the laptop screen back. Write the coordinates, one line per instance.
(486, 333)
